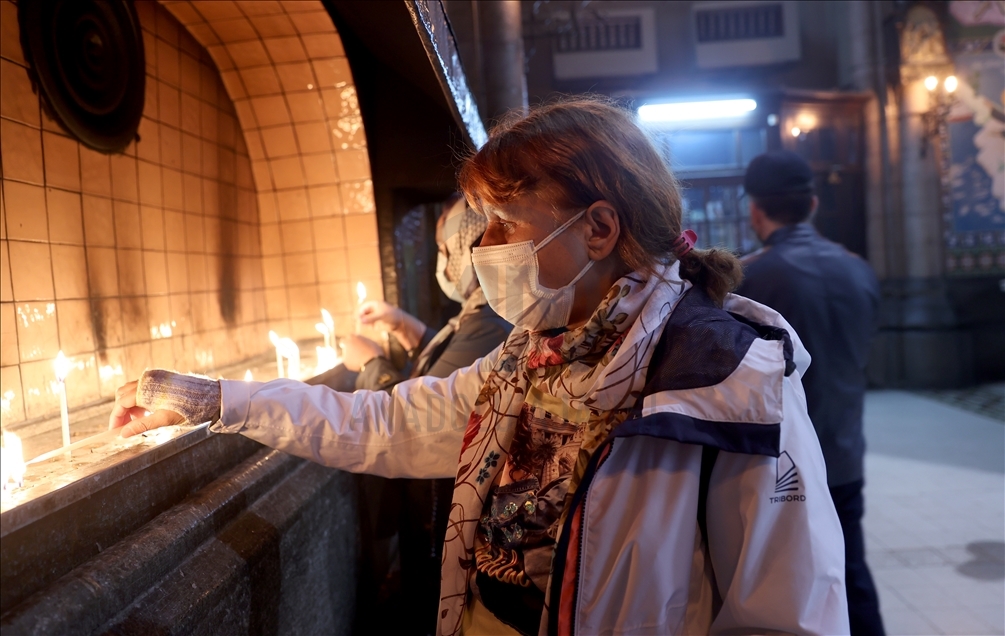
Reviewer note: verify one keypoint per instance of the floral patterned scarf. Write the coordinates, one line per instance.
(592, 374)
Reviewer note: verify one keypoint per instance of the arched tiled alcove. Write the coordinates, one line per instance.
(238, 210)
(285, 70)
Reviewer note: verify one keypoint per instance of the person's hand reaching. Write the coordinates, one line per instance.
(164, 398)
(386, 317)
(357, 351)
(382, 315)
(134, 419)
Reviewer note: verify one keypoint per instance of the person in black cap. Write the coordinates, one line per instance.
(831, 297)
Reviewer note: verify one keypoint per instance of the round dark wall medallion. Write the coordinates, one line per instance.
(87, 57)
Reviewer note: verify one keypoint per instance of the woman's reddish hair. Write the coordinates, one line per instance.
(580, 150)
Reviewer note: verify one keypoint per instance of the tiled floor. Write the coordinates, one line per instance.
(935, 520)
(986, 399)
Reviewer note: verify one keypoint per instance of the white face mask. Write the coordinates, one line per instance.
(509, 277)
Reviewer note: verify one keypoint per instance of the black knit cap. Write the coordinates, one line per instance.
(778, 172)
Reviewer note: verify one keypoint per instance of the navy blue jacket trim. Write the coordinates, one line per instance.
(701, 345)
(732, 437)
(767, 332)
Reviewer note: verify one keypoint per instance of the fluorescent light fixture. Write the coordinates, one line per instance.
(691, 111)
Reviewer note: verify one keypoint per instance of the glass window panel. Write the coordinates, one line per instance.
(752, 143)
(722, 202)
(695, 150)
(720, 215)
(693, 200)
(702, 231)
(717, 234)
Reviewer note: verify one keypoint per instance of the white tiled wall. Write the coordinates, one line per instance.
(284, 66)
(236, 212)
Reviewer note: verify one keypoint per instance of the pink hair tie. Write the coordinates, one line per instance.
(684, 243)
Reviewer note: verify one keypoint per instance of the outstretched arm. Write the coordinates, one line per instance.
(413, 431)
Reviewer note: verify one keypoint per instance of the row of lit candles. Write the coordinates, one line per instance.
(12, 464)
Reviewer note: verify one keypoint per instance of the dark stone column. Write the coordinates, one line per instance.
(921, 342)
(502, 74)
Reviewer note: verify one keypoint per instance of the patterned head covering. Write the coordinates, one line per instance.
(461, 228)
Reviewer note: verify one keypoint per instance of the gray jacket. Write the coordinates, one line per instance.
(476, 336)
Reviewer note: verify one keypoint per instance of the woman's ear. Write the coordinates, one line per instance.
(603, 228)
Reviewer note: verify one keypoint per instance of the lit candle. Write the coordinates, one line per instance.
(323, 329)
(361, 296)
(291, 352)
(247, 376)
(274, 339)
(326, 318)
(12, 465)
(62, 367)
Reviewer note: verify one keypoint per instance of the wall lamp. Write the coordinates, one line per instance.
(803, 123)
(950, 83)
(695, 111)
(939, 103)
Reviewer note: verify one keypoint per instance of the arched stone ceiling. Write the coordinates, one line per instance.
(284, 67)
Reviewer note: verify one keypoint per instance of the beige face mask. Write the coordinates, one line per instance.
(509, 276)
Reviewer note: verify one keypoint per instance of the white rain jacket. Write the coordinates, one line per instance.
(706, 512)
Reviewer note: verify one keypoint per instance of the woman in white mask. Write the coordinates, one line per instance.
(636, 458)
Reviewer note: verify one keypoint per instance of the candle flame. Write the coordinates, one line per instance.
(62, 365)
(322, 328)
(274, 338)
(326, 317)
(12, 466)
(247, 376)
(361, 291)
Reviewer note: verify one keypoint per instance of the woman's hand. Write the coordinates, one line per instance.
(357, 351)
(134, 419)
(386, 317)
